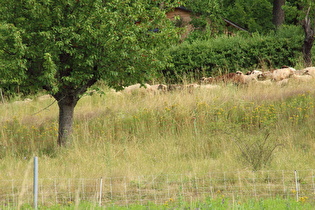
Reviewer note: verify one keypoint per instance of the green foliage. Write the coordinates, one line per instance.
(12, 66)
(253, 15)
(71, 44)
(205, 7)
(207, 19)
(292, 13)
(236, 53)
(212, 10)
(295, 11)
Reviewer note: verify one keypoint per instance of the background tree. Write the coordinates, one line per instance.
(206, 19)
(293, 12)
(278, 12)
(309, 31)
(66, 46)
(254, 15)
(12, 66)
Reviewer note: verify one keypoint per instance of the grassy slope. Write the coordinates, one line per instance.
(178, 132)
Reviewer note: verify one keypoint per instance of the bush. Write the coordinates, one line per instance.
(205, 58)
(256, 151)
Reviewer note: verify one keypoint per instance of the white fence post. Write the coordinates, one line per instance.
(35, 182)
(101, 189)
(296, 185)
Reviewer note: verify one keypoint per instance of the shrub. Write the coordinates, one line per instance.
(205, 58)
(256, 151)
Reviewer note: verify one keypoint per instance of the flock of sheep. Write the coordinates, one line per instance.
(278, 76)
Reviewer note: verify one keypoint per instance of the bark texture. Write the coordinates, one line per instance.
(278, 13)
(66, 110)
(308, 41)
(67, 100)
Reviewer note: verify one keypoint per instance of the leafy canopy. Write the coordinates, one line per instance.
(68, 44)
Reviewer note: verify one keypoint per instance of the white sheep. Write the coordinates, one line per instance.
(254, 72)
(266, 75)
(309, 71)
(135, 88)
(245, 79)
(281, 74)
(300, 72)
(209, 87)
(302, 78)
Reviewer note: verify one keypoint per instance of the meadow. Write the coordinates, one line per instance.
(230, 128)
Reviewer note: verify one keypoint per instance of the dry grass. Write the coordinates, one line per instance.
(176, 132)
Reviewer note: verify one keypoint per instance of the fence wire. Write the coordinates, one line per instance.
(158, 189)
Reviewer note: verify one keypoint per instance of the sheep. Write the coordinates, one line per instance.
(209, 86)
(188, 87)
(134, 88)
(258, 75)
(281, 74)
(244, 79)
(206, 80)
(302, 78)
(173, 87)
(300, 72)
(309, 71)
(156, 88)
(254, 72)
(266, 75)
(284, 67)
(225, 78)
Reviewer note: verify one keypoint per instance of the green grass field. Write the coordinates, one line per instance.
(275, 204)
(127, 135)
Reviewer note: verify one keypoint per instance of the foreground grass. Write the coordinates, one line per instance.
(222, 203)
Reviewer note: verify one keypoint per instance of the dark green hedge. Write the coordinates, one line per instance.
(229, 54)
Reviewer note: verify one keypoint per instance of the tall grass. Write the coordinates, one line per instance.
(175, 132)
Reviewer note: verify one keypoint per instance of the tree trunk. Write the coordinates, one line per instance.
(67, 100)
(307, 48)
(66, 109)
(308, 41)
(278, 13)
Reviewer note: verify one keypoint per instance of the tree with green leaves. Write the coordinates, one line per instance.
(255, 15)
(66, 46)
(12, 50)
(207, 18)
(302, 13)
